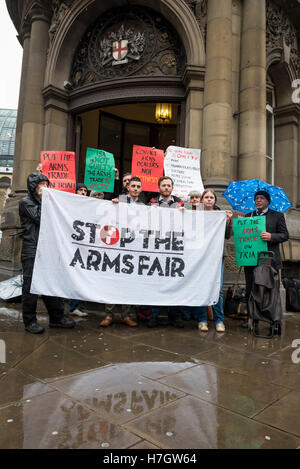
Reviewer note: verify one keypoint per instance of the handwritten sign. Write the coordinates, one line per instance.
(183, 166)
(99, 170)
(148, 165)
(59, 167)
(247, 240)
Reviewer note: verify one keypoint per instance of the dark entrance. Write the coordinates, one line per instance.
(117, 128)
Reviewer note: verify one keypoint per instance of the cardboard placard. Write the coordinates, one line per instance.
(99, 170)
(148, 165)
(247, 240)
(59, 167)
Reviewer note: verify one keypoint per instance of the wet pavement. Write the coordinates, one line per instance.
(121, 387)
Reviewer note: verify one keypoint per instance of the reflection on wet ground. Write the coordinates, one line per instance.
(124, 387)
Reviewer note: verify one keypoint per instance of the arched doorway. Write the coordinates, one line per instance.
(159, 60)
(115, 55)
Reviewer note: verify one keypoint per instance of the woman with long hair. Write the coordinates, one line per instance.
(209, 199)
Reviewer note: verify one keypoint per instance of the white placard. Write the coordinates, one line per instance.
(183, 166)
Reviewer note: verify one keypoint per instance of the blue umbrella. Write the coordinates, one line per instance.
(240, 195)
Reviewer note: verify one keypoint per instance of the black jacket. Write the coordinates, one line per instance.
(175, 203)
(275, 224)
(30, 215)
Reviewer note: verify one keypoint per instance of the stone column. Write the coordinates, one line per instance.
(217, 116)
(287, 119)
(252, 116)
(33, 114)
(25, 39)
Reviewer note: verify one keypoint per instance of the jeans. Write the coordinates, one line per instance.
(73, 304)
(217, 309)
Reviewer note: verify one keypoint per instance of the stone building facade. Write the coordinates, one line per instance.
(93, 70)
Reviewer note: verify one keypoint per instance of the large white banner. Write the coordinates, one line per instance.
(94, 250)
(183, 166)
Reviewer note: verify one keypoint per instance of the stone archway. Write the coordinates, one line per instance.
(60, 102)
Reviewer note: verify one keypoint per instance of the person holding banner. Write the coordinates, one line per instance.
(134, 190)
(276, 233)
(166, 199)
(30, 217)
(81, 189)
(209, 199)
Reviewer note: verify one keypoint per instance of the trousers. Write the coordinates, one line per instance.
(29, 300)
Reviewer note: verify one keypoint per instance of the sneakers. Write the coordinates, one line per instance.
(202, 326)
(34, 328)
(220, 327)
(79, 313)
(106, 321)
(129, 322)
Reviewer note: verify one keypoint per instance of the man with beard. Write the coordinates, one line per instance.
(167, 200)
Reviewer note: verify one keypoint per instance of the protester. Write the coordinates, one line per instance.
(209, 200)
(81, 189)
(125, 183)
(97, 195)
(165, 186)
(30, 216)
(195, 199)
(115, 193)
(134, 191)
(276, 233)
(166, 199)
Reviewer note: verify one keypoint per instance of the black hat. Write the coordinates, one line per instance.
(79, 185)
(264, 193)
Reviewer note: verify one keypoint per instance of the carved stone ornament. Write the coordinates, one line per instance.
(127, 41)
(199, 8)
(59, 9)
(282, 35)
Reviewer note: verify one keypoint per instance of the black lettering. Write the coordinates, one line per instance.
(126, 261)
(177, 269)
(167, 268)
(146, 234)
(143, 266)
(93, 262)
(76, 225)
(77, 258)
(166, 241)
(177, 244)
(125, 239)
(111, 264)
(93, 227)
(156, 266)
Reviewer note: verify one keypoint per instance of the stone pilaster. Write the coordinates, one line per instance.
(217, 128)
(252, 116)
(33, 114)
(25, 39)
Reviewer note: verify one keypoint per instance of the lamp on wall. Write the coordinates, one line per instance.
(163, 113)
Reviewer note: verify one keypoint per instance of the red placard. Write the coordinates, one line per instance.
(148, 165)
(59, 167)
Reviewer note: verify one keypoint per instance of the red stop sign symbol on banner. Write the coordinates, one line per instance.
(109, 235)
